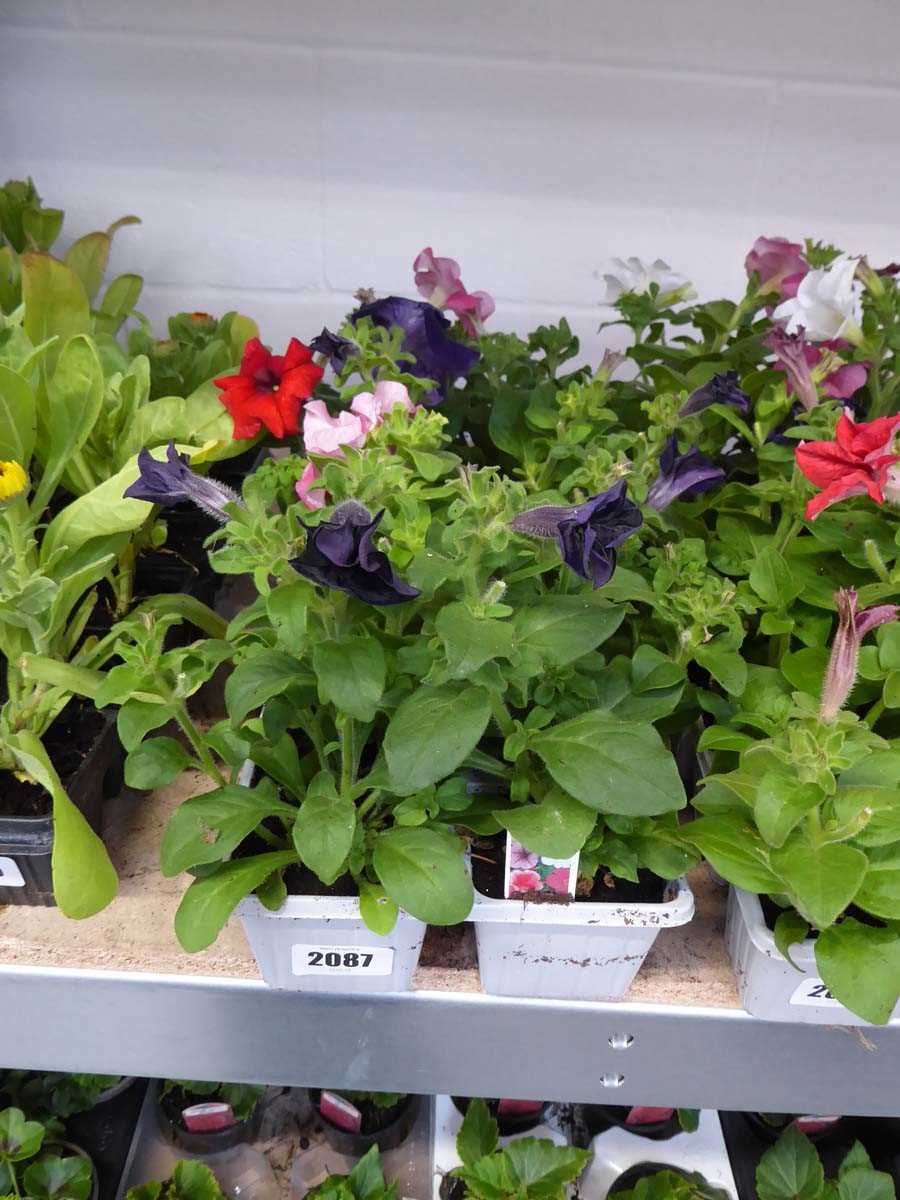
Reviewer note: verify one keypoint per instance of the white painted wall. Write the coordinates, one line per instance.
(284, 152)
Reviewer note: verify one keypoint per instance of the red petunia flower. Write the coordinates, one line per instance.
(269, 389)
(856, 463)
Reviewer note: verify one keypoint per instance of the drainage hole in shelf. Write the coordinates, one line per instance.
(621, 1041)
(612, 1081)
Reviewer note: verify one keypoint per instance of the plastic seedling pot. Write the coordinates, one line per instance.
(769, 986)
(576, 951)
(598, 1117)
(321, 943)
(213, 1141)
(355, 1145)
(106, 1130)
(26, 843)
(620, 1155)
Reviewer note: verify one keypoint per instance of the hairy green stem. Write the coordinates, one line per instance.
(186, 725)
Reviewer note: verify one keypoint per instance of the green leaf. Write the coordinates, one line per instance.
(281, 761)
(557, 827)
(892, 690)
(19, 1138)
(286, 606)
(324, 828)
(366, 1180)
(74, 403)
(781, 803)
(210, 901)
(790, 1170)
(88, 258)
(478, 1135)
(470, 641)
(561, 629)
(856, 1156)
(862, 1183)
(819, 880)
(725, 665)
(155, 763)
(136, 718)
(423, 871)
(258, 679)
(118, 303)
(195, 1181)
(773, 580)
(790, 928)
(542, 1167)
(84, 880)
(209, 828)
(651, 670)
(70, 1178)
(56, 303)
(611, 765)
(879, 892)
(376, 908)
(432, 732)
(731, 845)
(860, 966)
(17, 418)
(351, 675)
(805, 669)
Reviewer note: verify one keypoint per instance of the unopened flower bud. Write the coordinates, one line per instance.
(853, 626)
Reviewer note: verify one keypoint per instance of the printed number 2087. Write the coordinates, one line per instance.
(331, 958)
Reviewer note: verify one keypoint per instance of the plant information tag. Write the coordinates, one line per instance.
(813, 993)
(342, 960)
(10, 875)
(531, 876)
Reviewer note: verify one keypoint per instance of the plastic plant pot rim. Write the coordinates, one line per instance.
(676, 911)
(114, 1091)
(803, 953)
(317, 908)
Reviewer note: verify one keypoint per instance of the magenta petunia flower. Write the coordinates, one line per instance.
(779, 264)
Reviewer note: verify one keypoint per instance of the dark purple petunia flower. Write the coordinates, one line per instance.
(172, 482)
(682, 475)
(721, 389)
(588, 533)
(437, 356)
(335, 348)
(340, 554)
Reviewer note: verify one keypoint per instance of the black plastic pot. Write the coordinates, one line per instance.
(747, 1138)
(210, 1142)
(106, 1130)
(507, 1123)
(26, 843)
(626, 1181)
(836, 1133)
(355, 1145)
(598, 1117)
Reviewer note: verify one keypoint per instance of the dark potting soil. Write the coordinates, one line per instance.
(488, 868)
(68, 742)
(772, 911)
(372, 1118)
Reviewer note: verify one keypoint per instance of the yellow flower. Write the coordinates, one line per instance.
(13, 480)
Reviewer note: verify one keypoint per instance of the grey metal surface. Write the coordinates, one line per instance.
(458, 1043)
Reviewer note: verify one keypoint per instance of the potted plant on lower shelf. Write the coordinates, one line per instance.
(525, 1168)
(792, 1167)
(365, 1182)
(354, 1122)
(190, 1180)
(36, 1166)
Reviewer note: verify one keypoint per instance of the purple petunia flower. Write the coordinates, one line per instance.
(437, 356)
(172, 482)
(721, 389)
(682, 475)
(340, 554)
(588, 533)
(335, 348)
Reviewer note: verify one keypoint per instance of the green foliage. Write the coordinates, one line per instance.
(525, 1169)
(365, 1182)
(243, 1097)
(190, 1180)
(29, 1168)
(791, 1170)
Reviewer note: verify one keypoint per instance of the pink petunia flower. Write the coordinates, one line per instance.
(524, 881)
(436, 278)
(779, 264)
(312, 497)
(326, 435)
(840, 674)
(373, 407)
(439, 281)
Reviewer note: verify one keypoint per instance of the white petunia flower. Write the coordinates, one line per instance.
(827, 304)
(633, 275)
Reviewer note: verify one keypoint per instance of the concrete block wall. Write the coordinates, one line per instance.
(284, 152)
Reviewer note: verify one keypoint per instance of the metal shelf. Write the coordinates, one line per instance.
(191, 1027)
